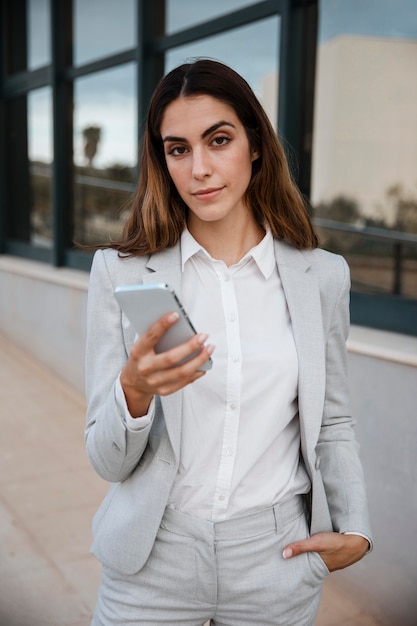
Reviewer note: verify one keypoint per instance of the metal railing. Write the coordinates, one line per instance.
(397, 238)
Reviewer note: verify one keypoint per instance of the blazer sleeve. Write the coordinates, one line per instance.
(113, 450)
(337, 448)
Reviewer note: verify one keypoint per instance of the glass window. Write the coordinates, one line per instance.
(105, 151)
(102, 28)
(259, 68)
(38, 33)
(365, 137)
(40, 153)
(185, 13)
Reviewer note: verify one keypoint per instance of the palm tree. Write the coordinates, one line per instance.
(92, 135)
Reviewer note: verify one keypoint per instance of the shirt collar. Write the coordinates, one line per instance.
(190, 247)
(262, 253)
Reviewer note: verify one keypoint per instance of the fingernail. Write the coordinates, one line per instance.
(201, 338)
(287, 554)
(210, 348)
(173, 317)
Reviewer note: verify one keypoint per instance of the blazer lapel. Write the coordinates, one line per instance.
(303, 298)
(165, 267)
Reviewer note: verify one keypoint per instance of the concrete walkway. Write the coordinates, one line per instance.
(48, 495)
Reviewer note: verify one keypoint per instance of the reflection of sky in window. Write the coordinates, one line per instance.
(378, 18)
(107, 99)
(185, 13)
(102, 27)
(38, 27)
(40, 125)
(231, 48)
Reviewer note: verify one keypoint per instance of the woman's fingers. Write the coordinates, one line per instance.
(143, 349)
(147, 373)
(154, 333)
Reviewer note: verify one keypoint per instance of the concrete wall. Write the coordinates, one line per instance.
(43, 309)
(384, 398)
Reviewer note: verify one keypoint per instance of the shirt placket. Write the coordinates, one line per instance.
(233, 393)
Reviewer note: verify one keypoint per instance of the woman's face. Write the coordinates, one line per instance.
(208, 158)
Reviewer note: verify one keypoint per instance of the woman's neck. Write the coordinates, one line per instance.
(227, 243)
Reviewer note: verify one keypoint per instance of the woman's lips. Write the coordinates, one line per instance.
(207, 194)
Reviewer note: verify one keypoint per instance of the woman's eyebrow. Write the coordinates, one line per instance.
(209, 130)
(215, 127)
(174, 139)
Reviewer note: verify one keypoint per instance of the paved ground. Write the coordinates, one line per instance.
(48, 495)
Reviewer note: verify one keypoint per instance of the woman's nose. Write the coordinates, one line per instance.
(201, 164)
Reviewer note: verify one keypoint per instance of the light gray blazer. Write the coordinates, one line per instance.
(142, 465)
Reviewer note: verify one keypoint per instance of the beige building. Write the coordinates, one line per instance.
(365, 121)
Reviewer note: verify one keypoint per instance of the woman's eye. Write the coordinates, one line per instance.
(221, 141)
(177, 150)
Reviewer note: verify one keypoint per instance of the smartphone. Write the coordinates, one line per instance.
(144, 304)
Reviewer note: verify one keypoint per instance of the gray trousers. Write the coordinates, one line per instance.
(230, 572)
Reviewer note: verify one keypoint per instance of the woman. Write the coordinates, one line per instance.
(235, 491)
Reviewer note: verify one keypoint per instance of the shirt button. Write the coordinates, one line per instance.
(226, 277)
(221, 498)
(233, 405)
(235, 359)
(229, 452)
(232, 318)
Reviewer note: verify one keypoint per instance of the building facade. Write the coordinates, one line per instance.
(76, 77)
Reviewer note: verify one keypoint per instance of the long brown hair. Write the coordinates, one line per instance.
(158, 214)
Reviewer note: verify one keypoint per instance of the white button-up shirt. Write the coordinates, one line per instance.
(240, 430)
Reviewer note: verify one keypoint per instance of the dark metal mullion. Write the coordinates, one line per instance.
(143, 63)
(70, 73)
(56, 77)
(2, 48)
(23, 82)
(3, 201)
(242, 17)
(307, 79)
(297, 68)
(285, 68)
(15, 166)
(398, 254)
(61, 35)
(3, 194)
(150, 63)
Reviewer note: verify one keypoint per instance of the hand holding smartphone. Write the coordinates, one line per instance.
(145, 304)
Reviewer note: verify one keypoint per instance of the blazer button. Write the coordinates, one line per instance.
(115, 446)
(317, 464)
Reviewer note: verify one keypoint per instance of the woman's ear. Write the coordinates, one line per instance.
(255, 155)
